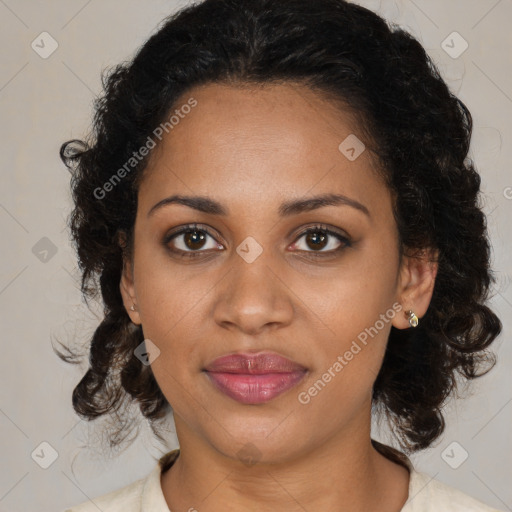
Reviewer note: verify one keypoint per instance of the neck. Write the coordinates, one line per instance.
(344, 473)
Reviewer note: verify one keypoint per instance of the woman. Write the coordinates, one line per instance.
(277, 203)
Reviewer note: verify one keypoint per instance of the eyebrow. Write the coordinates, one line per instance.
(207, 205)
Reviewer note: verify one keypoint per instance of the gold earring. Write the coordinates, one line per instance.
(413, 319)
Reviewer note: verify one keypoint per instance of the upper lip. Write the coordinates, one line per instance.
(260, 363)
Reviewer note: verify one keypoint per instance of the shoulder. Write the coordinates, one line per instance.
(126, 499)
(426, 494)
(142, 495)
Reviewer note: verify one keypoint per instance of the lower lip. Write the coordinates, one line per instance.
(254, 389)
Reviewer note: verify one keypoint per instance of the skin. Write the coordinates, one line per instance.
(250, 149)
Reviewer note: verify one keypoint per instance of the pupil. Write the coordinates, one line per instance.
(315, 237)
(194, 237)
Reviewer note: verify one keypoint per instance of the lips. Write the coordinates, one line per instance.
(254, 364)
(254, 378)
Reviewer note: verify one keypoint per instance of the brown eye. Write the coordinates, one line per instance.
(190, 241)
(317, 238)
(194, 239)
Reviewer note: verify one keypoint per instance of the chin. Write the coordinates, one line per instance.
(253, 441)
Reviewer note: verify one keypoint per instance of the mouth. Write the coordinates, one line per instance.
(254, 378)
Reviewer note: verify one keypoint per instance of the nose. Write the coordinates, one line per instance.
(253, 297)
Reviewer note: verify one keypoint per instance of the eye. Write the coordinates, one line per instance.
(320, 237)
(192, 240)
(189, 240)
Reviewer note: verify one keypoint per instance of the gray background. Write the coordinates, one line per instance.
(44, 101)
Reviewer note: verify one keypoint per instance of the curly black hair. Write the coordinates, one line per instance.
(420, 134)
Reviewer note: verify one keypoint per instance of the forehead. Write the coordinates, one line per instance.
(272, 142)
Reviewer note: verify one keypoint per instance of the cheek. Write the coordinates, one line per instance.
(346, 370)
(353, 297)
(171, 309)
(357, 307)
(169, 295)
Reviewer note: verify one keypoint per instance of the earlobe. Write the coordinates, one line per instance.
(416, 286)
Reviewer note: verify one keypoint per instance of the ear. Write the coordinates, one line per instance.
(126, 284)
(416, 284)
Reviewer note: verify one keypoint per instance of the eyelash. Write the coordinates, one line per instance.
(319, 228)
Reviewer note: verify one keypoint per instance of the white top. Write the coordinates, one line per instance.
(145, 495)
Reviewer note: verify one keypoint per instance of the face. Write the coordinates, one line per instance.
(248, 277)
